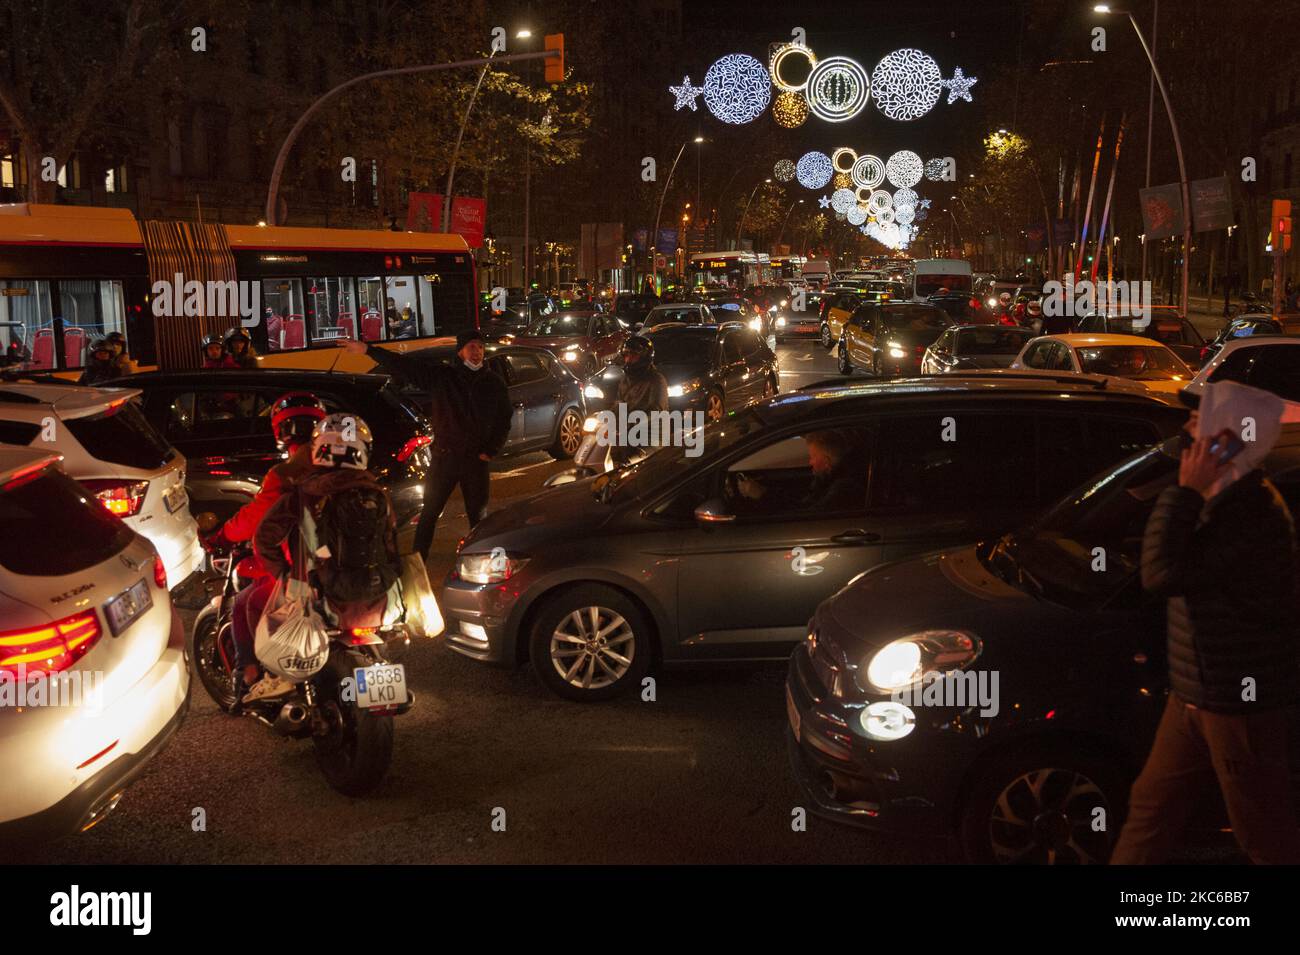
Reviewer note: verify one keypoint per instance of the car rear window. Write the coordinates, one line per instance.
(52, 526)
(122, 436)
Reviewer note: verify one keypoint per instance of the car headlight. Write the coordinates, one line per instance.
(905, 661)
(685, 388)
(591, 391)
(490, 568)
(780, 323)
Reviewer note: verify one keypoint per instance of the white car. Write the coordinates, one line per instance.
(87, 622)
(1268, 362)
(110, 448)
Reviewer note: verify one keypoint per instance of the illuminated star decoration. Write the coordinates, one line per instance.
(686, 94)
(959, 86)
(824, 202)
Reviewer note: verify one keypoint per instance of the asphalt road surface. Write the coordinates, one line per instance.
(700, 775)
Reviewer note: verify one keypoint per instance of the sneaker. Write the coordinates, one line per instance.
(268, 688)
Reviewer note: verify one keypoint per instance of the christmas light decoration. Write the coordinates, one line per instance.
(935, 168)
(737, 89)
(959, 86)
(686, 94)
(790, 110)
(869, 171)
(904, 169)
(783, 171)
(837, 89)
(789, 74)
(842, 200)
(906, 84)
(814, 170)
(843, 159)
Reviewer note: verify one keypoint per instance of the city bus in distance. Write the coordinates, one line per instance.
(930, 275)
(738, 269)
(72, 274)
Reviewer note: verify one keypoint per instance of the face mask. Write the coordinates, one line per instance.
(471, 365)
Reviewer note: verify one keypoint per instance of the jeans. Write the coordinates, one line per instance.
(445, 473)
(244, 615)
(1246, 753)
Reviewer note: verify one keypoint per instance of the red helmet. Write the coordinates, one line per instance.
(293, 415)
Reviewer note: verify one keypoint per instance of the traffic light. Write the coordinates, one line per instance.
(555, 64)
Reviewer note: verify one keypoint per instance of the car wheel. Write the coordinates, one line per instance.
(590, 643)
(715, 406)
(827, 342)
(845, 366)
(1040, 808)
(568, 435)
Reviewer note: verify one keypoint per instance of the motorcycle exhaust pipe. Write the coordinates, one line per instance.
(292, 718)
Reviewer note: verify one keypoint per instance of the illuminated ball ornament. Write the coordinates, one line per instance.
(904, 169)
(906, 84)
(837, 89)
(843, 159)
(935, 168)
(869, 171)
(783, 171)
(856, 215)
(737, 89)
(790, 65)
(842, 180)
(790, 110)
(814, 170)
(842, 200)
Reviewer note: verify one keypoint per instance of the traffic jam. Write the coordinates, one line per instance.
(891, 474)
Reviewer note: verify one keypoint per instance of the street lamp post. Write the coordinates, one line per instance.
(741, 228)
(1178, 148)
(654, 236)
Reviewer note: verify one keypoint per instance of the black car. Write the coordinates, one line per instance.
(221, 422)
(972, 347)
(678, 560)
(710, 368)
(546, 397)
(1057, 612)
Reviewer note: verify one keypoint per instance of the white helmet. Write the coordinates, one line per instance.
(341, 440)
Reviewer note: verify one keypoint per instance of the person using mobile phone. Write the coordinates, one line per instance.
(1220, 547)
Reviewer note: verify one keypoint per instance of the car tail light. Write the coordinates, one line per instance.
(120, 498)
(49, 649)
(413, 445)
(159, 572)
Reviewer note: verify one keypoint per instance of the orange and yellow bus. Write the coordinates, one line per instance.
(72, 274)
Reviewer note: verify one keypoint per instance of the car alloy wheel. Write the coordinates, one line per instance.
(715, 407)
(593, 648)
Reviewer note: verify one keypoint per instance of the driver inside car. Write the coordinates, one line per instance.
(838, 460)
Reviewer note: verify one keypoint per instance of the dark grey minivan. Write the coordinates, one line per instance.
(677, 559)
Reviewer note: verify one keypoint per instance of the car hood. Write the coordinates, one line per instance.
(566, 510)
(946, 590)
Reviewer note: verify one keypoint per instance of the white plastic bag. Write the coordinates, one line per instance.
(290, 640)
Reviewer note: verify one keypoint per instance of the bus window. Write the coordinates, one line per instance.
(282, 307)
(401, 311)
(26, 321)
(331, 308)
(370, 303)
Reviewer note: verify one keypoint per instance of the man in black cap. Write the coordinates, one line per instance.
(470, 412)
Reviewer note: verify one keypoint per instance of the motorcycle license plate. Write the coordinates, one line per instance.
(383, 684)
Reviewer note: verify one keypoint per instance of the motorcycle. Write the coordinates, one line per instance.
(346, 709)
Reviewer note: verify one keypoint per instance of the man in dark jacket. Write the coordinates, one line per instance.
(1220, 545)
(471, 415)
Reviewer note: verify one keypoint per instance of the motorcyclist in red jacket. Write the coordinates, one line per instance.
(293, 415)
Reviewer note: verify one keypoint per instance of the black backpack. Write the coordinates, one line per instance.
(353, 524)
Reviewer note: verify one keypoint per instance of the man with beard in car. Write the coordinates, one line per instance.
(642, 389)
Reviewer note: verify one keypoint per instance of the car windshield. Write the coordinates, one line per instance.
(1058, 557)
(660, 315)
(668, 463)
(1140, 362)
(559, 325)
(672, 348)
(917, 318)
(992, 340)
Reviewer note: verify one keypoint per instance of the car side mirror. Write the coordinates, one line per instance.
(714, 511)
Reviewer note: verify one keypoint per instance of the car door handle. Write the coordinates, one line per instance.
(856, 536)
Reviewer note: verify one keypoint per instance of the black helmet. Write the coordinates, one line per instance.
(293, 415)
(640, 346)
(212, 338)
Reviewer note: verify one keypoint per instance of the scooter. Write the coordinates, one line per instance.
(346, 709)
